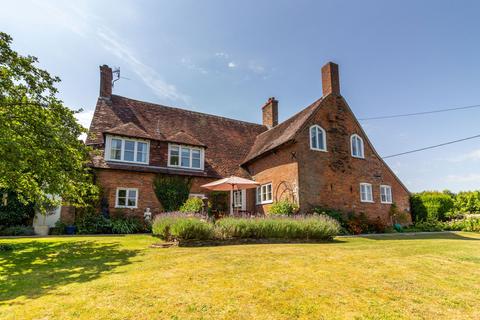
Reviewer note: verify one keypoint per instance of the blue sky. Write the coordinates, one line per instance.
(228, 57)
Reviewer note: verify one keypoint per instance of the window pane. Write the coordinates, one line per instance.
(121, 201)
(122, 193)
(132, 194)
(354, 147)
(320, 139)
(313, 137)
(116, 149)
(174, 152)
(196, 158)
(131, 202)
(185, 157)
(141, 152)
(359, 147)
(129, 150)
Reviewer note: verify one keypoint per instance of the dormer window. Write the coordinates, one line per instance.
(318, 138)
(185, 157)
(357, 146)
(126, 150)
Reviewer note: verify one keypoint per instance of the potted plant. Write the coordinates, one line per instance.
(46, 209)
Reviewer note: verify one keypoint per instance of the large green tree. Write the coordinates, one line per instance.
(41, 153)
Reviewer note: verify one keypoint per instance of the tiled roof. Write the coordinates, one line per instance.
(227, 141)
(280, 134)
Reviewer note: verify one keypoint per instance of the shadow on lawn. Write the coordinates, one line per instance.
(34, 268)
(421, 236)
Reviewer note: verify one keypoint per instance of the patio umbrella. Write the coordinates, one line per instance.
(230, 184)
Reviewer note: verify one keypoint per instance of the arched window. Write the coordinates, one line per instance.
(318, 138)
(357, 146)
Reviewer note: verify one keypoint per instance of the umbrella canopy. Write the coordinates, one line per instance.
(231, 183)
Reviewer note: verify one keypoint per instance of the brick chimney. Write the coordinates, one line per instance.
(270, 113)
(330, 79)
(106, 78)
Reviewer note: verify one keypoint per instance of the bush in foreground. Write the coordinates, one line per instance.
(182, 227)
(283, 207)
(192, 205)
(320, 227)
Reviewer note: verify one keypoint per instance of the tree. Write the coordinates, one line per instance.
(41, 153)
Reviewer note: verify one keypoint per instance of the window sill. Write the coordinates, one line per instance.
(265, 202)
(356, 157)
(185, 168)
(362, 201)
(130, 162)
(386, 202)
(321, 150)
(125, 207)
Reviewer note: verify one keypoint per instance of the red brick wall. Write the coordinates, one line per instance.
(110, 180)
(279, 168)
(332, 179)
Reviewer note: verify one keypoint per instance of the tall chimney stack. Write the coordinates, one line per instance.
(330, 79)
(270, 113)
(106, 78)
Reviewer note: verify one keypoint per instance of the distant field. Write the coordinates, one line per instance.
(433, 276)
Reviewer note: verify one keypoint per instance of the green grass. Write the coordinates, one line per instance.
(413, 277)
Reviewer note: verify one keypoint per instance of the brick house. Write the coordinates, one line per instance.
(319, 157)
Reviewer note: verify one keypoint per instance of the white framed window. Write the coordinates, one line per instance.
(185, 157)
(366, 194)
(126, 198)
(356, 143)
(237, 198)
(318, 138)
(127, 150)
(264, 194)
(386, 194)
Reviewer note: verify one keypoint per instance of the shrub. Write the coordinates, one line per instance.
(192, 205)
(426, 226)
(125, 225)
(15, 213)
(171, 191)
(92, 223)
(59, 228)
(218, 201)
(161, 226)
(191, 229)
(17, 231)
(283, 207)
(470, 224)
(314, 227)
(431, 206)
(467, 202)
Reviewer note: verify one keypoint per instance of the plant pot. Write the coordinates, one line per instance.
(41, 230)
(70, 230)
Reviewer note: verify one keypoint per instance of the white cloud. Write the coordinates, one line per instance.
(91, 27)
(222, 55)
(232, 65)
(471, 177)
(190, 65)
(472, 156)
(84, 118)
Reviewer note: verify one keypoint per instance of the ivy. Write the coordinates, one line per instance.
(172, 191)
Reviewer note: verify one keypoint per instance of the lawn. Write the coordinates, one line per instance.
(412, 277)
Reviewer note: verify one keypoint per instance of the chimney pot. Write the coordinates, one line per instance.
(330, 79)
(106, 78)
(270, 113)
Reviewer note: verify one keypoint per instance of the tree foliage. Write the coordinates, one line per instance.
(431, 205)
(467, 202)
(39, 136)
